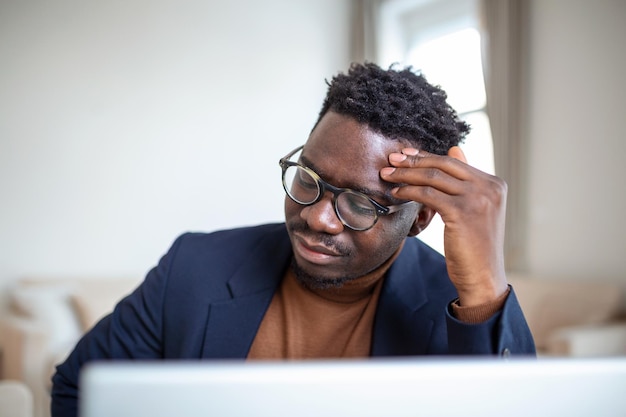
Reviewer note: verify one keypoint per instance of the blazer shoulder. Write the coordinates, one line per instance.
(241, 238)
(195, 256)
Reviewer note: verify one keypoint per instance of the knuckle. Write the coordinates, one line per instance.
(493, 195)
(498, 189)
(432, 173)
(487, 196)
(427, 192)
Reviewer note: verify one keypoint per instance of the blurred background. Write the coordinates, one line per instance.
(126, 123)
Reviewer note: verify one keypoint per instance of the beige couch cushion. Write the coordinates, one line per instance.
(50, 307)
(93, 300)
(551, 304)
(589, 341)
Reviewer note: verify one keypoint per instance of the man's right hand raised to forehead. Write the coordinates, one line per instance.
(472, 205)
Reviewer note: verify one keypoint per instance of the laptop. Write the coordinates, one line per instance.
(350, 388)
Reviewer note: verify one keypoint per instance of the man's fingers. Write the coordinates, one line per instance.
(430, 196)
(454, 164)
(413, 155)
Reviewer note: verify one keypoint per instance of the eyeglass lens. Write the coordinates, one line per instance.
(354, 209)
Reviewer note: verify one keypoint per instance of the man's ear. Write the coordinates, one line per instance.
(423, 218)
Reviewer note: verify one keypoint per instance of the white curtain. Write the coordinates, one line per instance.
(503, 24)
(363, 32)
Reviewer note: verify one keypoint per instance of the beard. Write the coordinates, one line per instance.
(317, 282)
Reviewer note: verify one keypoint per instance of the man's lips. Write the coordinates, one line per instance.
(314, 252)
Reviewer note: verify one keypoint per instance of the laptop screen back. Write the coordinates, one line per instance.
(363, 388)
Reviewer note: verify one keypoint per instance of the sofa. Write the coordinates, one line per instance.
(16, 399)
(573, 318)
(46, 318)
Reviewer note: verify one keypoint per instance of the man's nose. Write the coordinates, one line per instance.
(321, 216)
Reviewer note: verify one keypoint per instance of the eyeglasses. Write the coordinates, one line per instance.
(353, 208)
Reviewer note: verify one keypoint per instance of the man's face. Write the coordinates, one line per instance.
(345, 154)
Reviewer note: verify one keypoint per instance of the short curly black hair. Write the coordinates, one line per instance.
(400, 104)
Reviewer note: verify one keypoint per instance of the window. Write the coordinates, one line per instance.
(441, 39)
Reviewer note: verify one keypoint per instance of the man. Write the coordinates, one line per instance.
(343, 277)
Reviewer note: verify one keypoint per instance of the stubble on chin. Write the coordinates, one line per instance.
(316, 282)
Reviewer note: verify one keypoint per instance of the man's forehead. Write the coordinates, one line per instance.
(341, 149)
(349, 171)
(335, 130)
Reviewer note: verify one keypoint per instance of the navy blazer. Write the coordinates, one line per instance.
(207, 296)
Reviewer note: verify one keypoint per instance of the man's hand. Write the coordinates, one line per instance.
(472, 206)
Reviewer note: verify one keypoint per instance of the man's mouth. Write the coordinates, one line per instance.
(314, 252)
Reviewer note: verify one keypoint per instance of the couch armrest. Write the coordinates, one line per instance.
(25, 348)
(16, 399)
(588, 341)
(27, 357)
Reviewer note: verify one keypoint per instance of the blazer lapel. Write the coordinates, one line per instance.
(399, 329)
(233, 323)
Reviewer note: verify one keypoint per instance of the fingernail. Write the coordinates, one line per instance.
(387, 171)
(396, 157)
(410, 151)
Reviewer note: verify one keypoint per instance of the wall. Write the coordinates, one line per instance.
(125, 123)
(577, 143)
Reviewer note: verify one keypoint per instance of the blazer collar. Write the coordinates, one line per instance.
(265, 268)
(404, 281)
(398, 330)
(232, 323)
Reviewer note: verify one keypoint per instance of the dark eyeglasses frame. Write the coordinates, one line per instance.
(336, 191)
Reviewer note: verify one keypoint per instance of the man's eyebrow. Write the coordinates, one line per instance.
(375, 194)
